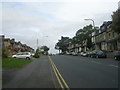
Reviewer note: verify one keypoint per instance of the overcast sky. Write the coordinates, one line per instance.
(48, 20)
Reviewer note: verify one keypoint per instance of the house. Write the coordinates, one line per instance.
(1, 40)
(6, 43)
(14, 46)
(99, 36)
(78, 48)
(106, 39)
(113, 40)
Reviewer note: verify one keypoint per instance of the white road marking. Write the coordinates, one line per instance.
(102, 63)
(114, 66)
(96, 62)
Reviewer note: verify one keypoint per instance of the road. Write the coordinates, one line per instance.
(64, 71)
(85, 72)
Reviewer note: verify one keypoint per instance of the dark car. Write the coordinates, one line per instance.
(86, 54)
(90, 54)
(98, 54)
(117, 55)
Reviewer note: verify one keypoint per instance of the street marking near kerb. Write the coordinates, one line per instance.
(58, 75)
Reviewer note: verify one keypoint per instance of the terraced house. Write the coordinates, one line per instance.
(106, 38)
(14, 46)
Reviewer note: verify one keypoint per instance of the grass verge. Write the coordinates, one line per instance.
(14, 62)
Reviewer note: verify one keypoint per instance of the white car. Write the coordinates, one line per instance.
(32, 54)
(23, 55)
(74, 54)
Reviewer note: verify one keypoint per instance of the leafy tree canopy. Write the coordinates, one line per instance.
(44, 48)
(116, 21)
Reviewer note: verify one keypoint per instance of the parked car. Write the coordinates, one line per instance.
(98, 54)
(90, 54)
(117, 55)
(86, 54)
(32, 54)
(23, 55)
(70, 53)
(67, 53)
(82, 53)
(74, 53)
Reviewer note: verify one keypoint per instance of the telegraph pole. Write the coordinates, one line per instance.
(37, 42)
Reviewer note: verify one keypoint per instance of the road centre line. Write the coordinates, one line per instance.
(61, 76)
(58, 73)
(52, 71)
(55, 73)
(57, 77)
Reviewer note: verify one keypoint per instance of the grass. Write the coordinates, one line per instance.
(0, 62)
(14, 62)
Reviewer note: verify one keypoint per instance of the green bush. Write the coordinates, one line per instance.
(36, 55)
(5, 52)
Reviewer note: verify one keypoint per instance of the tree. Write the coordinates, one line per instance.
(116, 21)
(37, 53)
(84, 34)
(62, 44)
(45, 49)
(5, 52)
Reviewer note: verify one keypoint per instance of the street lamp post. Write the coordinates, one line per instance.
(94, 30)
(38, 41)
(92, 21)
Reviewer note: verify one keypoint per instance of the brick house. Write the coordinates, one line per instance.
(14, 46)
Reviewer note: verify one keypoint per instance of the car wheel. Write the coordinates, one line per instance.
(27, 58)
(115, 58)
(97, 56)
(91, 56)
(105, 56)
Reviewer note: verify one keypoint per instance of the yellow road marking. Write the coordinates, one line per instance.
(61, 77)
(51, 69)
(57, 71)
(57, 77)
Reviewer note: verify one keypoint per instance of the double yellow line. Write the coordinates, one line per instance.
(60, 79)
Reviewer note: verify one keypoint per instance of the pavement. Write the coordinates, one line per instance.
(37, 74)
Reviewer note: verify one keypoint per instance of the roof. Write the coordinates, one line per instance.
(7, 39)
(103, 27)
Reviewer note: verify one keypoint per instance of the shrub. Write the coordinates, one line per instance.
(5, 52)
(36, 55)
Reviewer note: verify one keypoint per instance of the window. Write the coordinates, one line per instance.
(26, 53)
(109, 35)
(113, 34)
(19, 54)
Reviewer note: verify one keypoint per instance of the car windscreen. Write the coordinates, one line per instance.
(117, 52)
(100, 52)
(19, 54)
